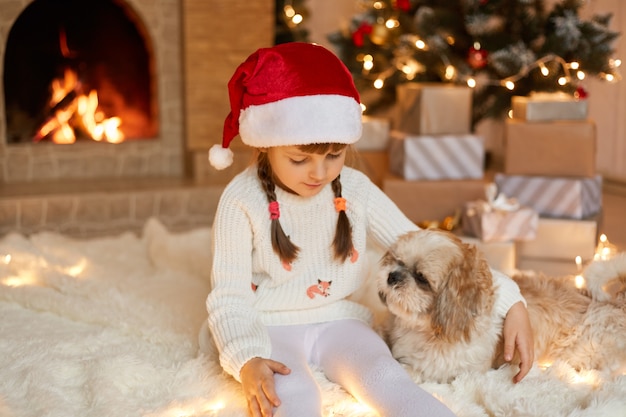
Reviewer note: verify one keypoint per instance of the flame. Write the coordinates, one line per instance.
(75, 110)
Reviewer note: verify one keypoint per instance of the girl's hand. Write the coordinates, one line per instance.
(518, 336)
(257, 381)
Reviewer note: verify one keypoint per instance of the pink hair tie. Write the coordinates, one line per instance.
(340, 204)
(274, 210)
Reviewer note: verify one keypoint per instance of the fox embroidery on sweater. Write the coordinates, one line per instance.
(321, 288)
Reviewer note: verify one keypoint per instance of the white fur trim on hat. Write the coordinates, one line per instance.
(302, 120)
(220, 157)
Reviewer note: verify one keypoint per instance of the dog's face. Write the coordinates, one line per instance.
(430, 275)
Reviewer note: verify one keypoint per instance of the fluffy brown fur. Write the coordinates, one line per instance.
(441, 294)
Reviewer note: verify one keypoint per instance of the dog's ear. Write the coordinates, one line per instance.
(463, 296)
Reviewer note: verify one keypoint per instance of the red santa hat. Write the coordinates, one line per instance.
(290, 94)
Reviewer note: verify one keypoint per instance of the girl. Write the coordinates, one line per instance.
(289, 238)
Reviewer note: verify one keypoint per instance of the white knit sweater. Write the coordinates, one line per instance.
(251, 288)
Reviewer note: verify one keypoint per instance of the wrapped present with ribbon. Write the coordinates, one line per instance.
(499, 219)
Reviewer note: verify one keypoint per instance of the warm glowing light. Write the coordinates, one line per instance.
(420, 44)
(450, 72)
(574, 65)
(579, 281)
(289, 11)
(368, 65)
(216, 406)
(545, 365)
(379, 83)
(510, 85)
(544, 70)
(19, 281)
(76, 270)
(363, 107)
(605, 249)
(6, 258)
(579, 263)
(392, 23)
(77, 109)
(562, 81)
(297, 19)
(580, 75)
(471, 82)
(609, 77)
(587, 377)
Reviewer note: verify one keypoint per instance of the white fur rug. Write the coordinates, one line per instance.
(108, 327)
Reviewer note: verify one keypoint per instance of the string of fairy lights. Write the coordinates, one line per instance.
(410, 67)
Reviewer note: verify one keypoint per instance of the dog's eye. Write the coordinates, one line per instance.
(420, 279)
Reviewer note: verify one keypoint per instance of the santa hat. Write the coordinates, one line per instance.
(290, 94)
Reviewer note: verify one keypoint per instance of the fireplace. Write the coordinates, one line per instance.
(95, 92)
(185, 51)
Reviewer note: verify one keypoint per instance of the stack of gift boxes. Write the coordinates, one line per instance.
(539, 213)
(436, 163)
(549, 165)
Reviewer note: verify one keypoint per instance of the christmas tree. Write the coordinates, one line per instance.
(290, 16)
(501, 48)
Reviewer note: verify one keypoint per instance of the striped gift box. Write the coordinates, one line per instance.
(436, 157)
(561, 197)
(492, 225)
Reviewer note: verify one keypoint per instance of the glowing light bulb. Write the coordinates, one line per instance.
(392, 23)
(379, 83)
(562, 81)
(510, 85)
(579, 281)
(420, 44)
(471, 82)
(450, 71)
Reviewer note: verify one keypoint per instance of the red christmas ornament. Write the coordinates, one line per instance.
(404, 5)
(477, 58)
(581, 93)
(358, 36)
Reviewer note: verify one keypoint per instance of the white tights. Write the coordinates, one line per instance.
(352, 355)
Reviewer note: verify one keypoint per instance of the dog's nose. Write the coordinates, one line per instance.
(394, 277)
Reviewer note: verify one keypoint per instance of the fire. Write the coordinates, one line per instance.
(73, 110)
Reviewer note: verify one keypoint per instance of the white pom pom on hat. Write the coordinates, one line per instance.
(290, 94)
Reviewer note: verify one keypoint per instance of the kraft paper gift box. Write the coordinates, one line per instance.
(499, 255)
(570, 198)
(431, 200)
(436, 157)
(561, 239)
(498, 218)
(548, 106)
(566, 148)
(433, 108)
(375, 136)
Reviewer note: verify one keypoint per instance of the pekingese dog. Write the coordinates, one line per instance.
(441, 293)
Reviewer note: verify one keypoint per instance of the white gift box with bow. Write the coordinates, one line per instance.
(499, 219)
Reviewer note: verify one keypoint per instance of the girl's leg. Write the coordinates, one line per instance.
(354, 356)
(298, 392)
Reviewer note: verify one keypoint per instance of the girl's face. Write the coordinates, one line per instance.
(305, 173)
